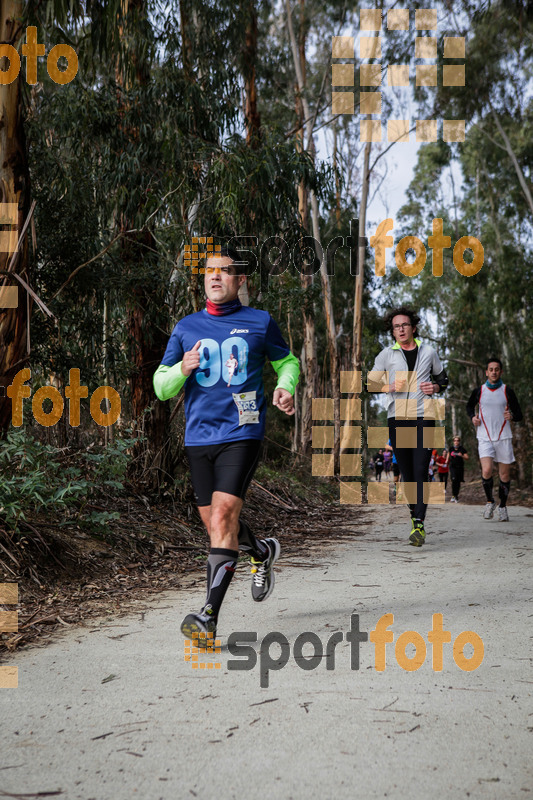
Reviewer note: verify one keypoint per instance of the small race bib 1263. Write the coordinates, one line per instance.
(246, 403)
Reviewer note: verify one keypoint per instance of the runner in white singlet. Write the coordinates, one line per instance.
(497, 408)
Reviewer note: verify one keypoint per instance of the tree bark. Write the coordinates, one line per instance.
(324, 277)
(308, 355)
(251, 114)
(337, 180)
(147, 340)
(359, 278)
(14, 188)
(516, 165)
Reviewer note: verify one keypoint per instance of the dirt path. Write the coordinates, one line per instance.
(114, 711)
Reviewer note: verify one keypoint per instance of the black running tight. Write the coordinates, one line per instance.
(456, 485)
(413, 461)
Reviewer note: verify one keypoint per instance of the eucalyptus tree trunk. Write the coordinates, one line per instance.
(517, 168)
(357, 352)
(308, 355)
(359, 278)
(324, 277)
(147, 340)
(14, 189)
(251, 113)
(337, 179)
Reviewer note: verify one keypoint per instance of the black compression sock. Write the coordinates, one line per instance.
(221, 565)
(503, 492)
(488, 483)
(249, 544)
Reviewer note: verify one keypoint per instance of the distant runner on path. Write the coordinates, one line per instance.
(387, 461)
(379, 461)
(225, 422)
(421, 376)
(395, 471)
(497, 407)
(457, 458)
(442, 468)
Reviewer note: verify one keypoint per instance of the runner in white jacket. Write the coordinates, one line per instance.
(410, 373)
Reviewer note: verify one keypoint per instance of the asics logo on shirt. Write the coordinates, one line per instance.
(239, 330)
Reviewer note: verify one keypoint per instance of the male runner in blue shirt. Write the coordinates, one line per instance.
(225, 422)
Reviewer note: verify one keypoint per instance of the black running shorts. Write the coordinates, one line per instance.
(225, 467)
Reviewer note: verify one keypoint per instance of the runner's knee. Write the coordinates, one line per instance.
(225, 514)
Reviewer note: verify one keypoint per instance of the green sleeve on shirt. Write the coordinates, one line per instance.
(168, 381)
(288, 371)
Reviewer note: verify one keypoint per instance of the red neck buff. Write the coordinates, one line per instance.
(221, 309)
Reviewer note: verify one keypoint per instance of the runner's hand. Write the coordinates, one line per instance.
(428, 388)
(191, 359)
(507, 414)
(476, 420)
(399, 385)
(284, 401)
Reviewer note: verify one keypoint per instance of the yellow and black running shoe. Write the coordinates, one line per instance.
(418, 534)
(200, 625)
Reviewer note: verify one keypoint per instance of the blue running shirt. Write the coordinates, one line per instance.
(224, 397)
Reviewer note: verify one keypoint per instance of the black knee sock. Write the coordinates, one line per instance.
(249, 544)
(504, 492)
(488, 483)
(221, 565)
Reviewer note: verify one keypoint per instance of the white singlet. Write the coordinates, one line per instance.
(492, 405)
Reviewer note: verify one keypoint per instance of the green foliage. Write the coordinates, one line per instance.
(36, 478)
(32, 480)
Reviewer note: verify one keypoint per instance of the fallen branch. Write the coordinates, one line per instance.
(277, 499)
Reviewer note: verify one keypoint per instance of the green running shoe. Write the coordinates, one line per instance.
(418, 534)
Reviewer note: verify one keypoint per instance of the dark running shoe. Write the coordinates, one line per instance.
(418, 534)
(199, 625)
(263, 572)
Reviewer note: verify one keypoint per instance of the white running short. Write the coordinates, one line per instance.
(501, 451)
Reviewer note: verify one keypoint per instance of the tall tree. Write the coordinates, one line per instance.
(15, 191)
